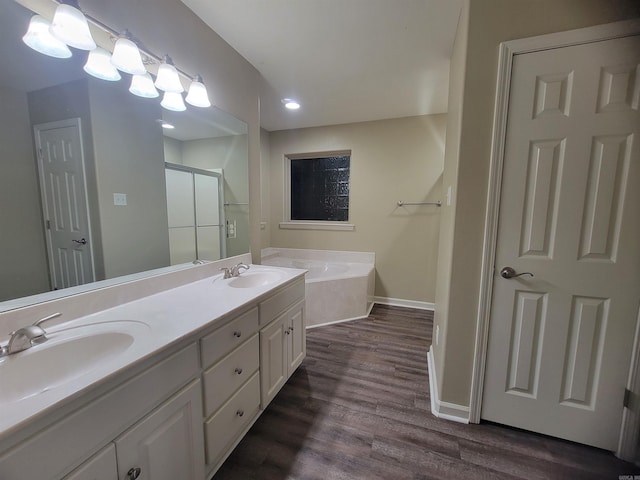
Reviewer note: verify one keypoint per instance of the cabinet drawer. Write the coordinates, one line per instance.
(271, 308)
(226, 376)
(217, 344)
(223, 428)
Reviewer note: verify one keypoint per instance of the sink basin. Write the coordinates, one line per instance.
(256, 279)
(68, 354)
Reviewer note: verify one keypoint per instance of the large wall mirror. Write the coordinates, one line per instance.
(95, 185)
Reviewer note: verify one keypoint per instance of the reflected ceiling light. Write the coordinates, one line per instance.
(40, 39)
(99, 65)
(168, 126)
(142, 86)
(197, 95)
(290, 104)
(173, 101)
(70, 26)
(126, 56)
(168, 79)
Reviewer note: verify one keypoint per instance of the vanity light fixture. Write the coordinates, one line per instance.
(142, 86)
(168, 79)
(197, 95)
(173, 101)
(290, 104)
(40, 39)
(70, 26)
(99, 65)
(126, 56)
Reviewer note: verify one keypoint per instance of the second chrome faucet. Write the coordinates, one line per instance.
(235, 270)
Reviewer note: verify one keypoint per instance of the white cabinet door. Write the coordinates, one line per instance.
(297, 348)
(273, 359)
(168, 444)
(101, 466)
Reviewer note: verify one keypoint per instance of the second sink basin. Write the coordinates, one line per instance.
(256, 279)
(68, 354)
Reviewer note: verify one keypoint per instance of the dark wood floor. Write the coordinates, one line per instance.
(359, 408)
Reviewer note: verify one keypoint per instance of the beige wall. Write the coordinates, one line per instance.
(490, 22)
(23, 258)
(449, 180)
(391, 160)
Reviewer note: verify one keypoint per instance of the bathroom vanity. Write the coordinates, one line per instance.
(180, 377)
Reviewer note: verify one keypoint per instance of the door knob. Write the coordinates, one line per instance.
(133, 473)
(82, 241)
(508, 272)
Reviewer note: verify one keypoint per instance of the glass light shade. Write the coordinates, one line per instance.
(173, 101)
(168, 79)
(126, 57)
(99, 65)
(197, 95)
(40, 39)
(70, 26)
(142, 86)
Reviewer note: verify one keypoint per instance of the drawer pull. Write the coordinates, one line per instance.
(240, 413)
(133, 473)
(238, 371)
(237, 334)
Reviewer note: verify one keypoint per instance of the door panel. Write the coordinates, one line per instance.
(64, 203)
(560, 342)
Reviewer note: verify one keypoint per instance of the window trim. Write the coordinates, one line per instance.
(289, 224)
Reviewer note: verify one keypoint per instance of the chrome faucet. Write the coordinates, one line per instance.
(235, 270)
(26, 337)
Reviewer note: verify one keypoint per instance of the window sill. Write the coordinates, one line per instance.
(340, 226)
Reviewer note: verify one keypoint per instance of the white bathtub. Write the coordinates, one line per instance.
(339, 285)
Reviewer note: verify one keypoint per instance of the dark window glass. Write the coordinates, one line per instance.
(320, 188)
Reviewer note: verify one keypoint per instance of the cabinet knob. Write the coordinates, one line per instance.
(288, 331)
(237, 334)
(240, 413)
(133, 473)
(238, 371)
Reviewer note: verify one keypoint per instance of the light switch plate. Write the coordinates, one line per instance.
(120, 199)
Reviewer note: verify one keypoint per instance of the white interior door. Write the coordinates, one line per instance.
(64, 202)
(560, 342)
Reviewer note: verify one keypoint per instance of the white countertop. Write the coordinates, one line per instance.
(156, 322)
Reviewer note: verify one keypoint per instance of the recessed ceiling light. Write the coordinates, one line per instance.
(290, 104)
(164, 124)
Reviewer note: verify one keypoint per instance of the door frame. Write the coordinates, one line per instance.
(37, 129)
(508, 50)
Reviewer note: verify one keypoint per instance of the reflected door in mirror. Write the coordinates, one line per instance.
(64, 203)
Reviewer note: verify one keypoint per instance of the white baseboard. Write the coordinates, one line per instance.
(399, 302)
(444, 410)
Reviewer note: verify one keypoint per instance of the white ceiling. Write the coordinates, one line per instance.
(343, 60)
